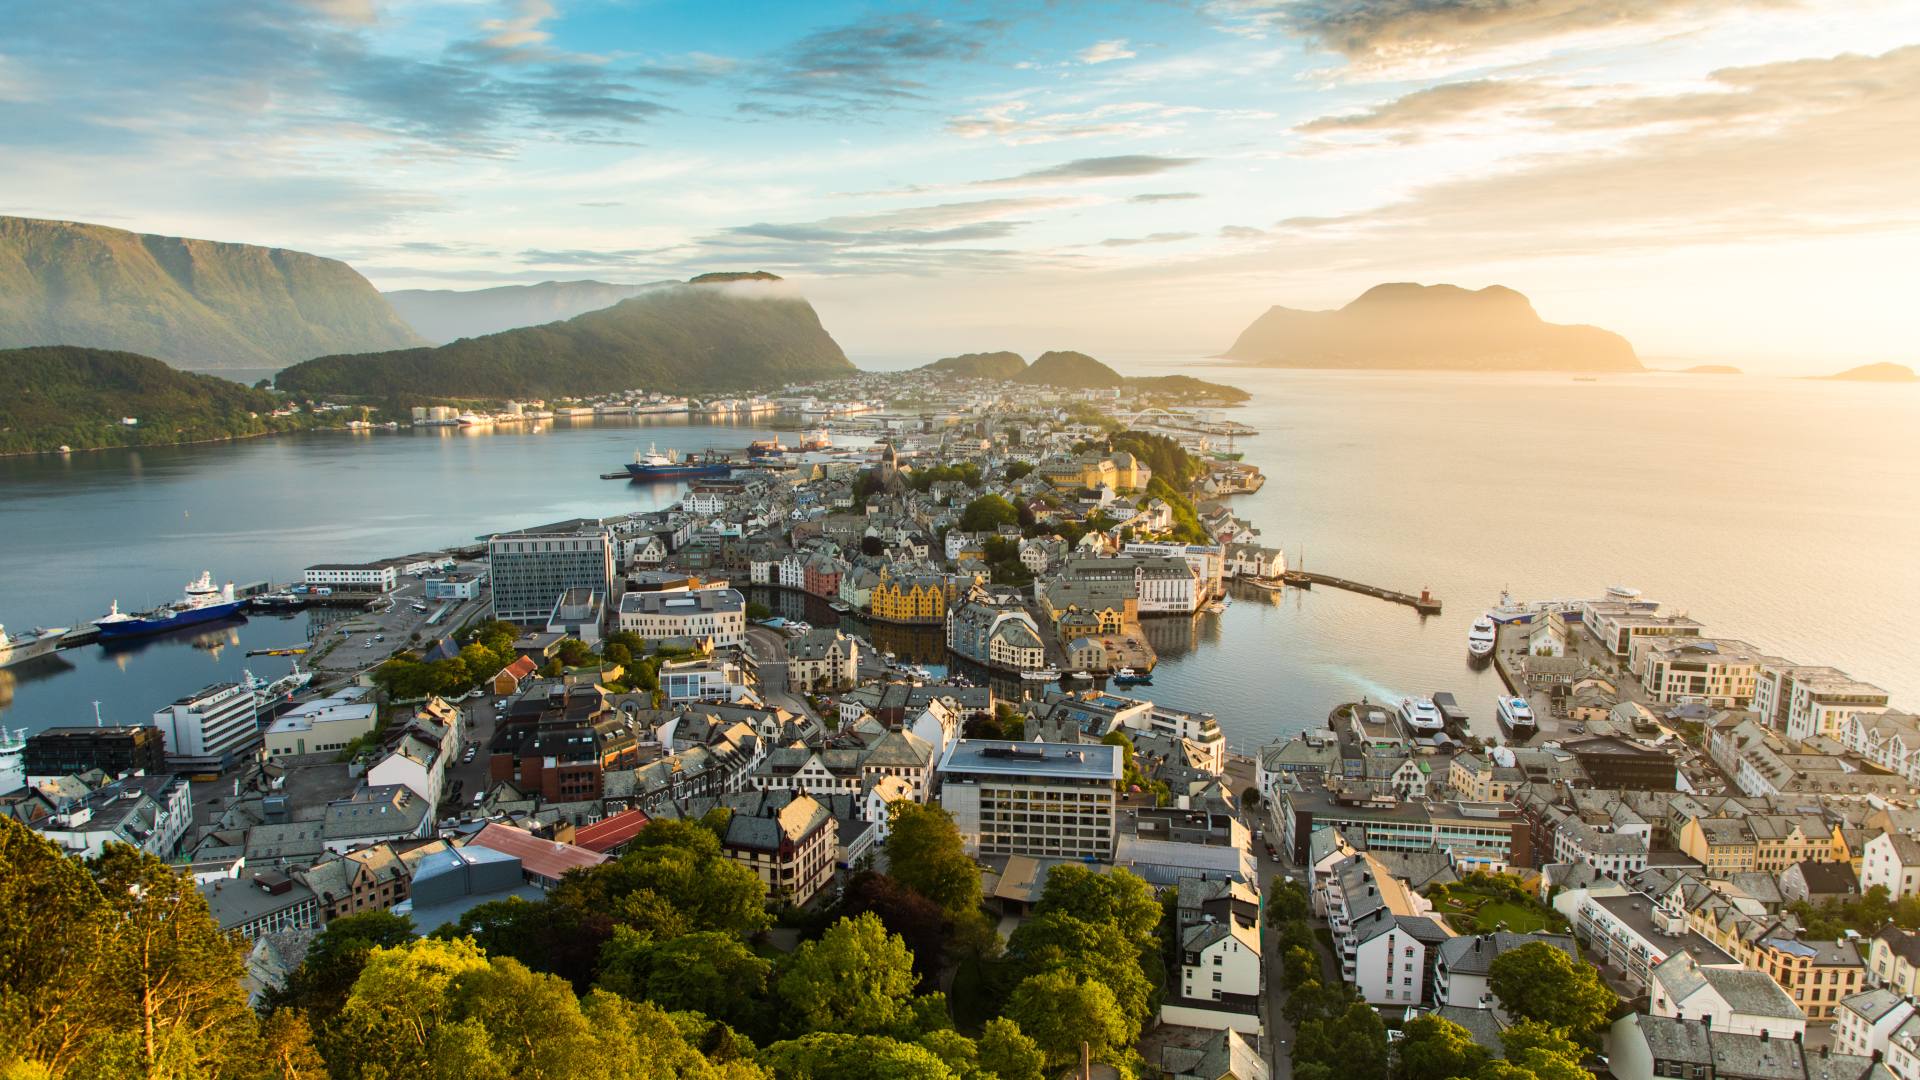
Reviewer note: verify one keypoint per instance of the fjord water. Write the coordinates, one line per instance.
(1780, 511)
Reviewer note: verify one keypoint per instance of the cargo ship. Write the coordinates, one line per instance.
(654, 465)
(18, 649)
(203, 602)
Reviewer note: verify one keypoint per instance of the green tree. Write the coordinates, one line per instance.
(918, 920)
(925, 853)
(1058, 1012)
(706, 972)
(1101, 952)
(959, 1053)
(288, 1049)
(1007, 1052)
(832, 1055)
(987, 513)
(1286, 900)
(320, 985)
(391, 1024)
(1119, 897)
(1540, 982)
(853, 979)
(1352, 1044)
(1434, 1048)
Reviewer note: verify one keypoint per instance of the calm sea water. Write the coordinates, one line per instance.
(1784, 512)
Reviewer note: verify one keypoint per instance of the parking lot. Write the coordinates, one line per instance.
(396, 621)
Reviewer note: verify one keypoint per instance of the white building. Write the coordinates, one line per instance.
(1805, 700)
(1615, 851)
(414, 764)
(373, 577)
(212, 729)
(1026, 798)
(151, 813)
(1717, 672)
(719, 614)
(1729, 998)
(1892, 860)
(703, 680)
(1219, 982)
(793, 572)
(1890, 740)
(323, 726)
(1867, 1021)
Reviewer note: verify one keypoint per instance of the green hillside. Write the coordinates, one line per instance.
(56, 395)
(981, 365)
(196, 304)
(1069, 370)
(677, 338)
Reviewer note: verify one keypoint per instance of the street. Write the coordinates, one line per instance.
(769, 650)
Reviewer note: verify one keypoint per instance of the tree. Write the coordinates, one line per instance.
(320, 985)
(853, 979)
(1058, 1012)
(925, 853)
(391, 1024)
(1008, 1053)
(1286, 900)
(1351, 1044)
(918, 920)
(987, 513)
(288, 1050)
(1119, 897)
(707, 972)
(1540, 982)
(832, 1055)
(1434, 1048)
(1018, 470)
(1101, 952)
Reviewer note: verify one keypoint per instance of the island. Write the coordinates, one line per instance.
(1069, 370)
(1891, 373)
(1430, 328)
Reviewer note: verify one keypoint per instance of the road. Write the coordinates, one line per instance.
(467, 778)
(769, 649)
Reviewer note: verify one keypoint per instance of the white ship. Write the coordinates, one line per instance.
(1516, 717)
(1421, 714)
(1045, 674)
(18, 649)
(1480, 637)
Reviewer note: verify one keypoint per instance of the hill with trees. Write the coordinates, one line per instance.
(981, 365)
(1430, 327)
(196, 304)
(1875, 373)
(692, 337)
(1070, 371)
(63, 395)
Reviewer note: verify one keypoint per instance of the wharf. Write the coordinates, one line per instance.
(1426, 603)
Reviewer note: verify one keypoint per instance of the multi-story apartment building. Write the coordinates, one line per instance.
(718, 614)
(1893, 961)
(1892, 861)
(1804, 700)
(1477, 836)
(1387, 942)
(1716, 672)
(1219, 980)
(530, 570)
(357, 577)
(211, 729)
(995, 632)
(1023, 798)
(915, 598)
(1731, 999)
(68, 751)
(1890, 740)
(151, 813)
(791, 847)
(822, 659)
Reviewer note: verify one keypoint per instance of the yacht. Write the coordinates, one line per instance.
(1516, 718)
(20, 648)
(1481, 637)
(1421, 715)
(1045, 674)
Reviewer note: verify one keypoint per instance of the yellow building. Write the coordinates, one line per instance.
(1781, 841)
(915, 598)
(1119, 470)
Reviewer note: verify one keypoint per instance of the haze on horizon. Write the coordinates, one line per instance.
(1719, 180)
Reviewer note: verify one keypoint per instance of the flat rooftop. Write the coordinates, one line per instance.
(697, 602)
(989, 757)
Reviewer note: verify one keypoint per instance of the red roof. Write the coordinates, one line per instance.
(605, 835)
(520, 668)
(541, 858)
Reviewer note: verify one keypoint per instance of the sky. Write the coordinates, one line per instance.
(1720, 180)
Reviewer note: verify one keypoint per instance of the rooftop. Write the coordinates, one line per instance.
(1031, 759)
(698, 602)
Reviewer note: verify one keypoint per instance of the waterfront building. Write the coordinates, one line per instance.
(822, 659)
(921, 598)
(116, 750)
(382, 577)
(211, 729)
(1716, 672)
(322, 726)
(1026, 798)
(995, 630)
(1804, 700)
(1619, 625)
(718, 615)
(529, 570)
(452, 586)
(1208, 561)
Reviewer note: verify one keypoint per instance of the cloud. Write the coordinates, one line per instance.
(876, 63)
(1101, 52)
(1377, 32)
(520, 34)
(1094, 168)
(1240, 232)
(624, 258)
(1015, 122)
(1803, 148)
(1163, 196)
(944, 223)
(1151, 238)
(1443, 104)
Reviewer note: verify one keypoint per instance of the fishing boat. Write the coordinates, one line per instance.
(1126, 676)
(654, 465)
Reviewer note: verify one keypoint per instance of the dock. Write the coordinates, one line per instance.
(1425, 603)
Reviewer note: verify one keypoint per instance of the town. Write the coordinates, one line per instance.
(619, 751)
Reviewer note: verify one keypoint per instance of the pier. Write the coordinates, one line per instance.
(1425, 603)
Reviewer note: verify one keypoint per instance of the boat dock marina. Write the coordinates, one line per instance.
(1425, 603)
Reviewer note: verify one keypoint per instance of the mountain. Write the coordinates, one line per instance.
(981, 365)
(1069, 370)
(196, 304)
(442, 315)
(1438, 327)
(1875, 373)
(677, 337)
(55, 395)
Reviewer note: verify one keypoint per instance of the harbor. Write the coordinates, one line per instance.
(1425, 602)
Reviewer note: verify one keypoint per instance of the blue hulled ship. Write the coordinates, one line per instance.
(204, 602)
(654, 465)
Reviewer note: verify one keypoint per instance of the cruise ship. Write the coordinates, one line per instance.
(204, 602)
(1481, 637)
(654, 465)
(24, 647)
(1421, 715)
(1516, 718)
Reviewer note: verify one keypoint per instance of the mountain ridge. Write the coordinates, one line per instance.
(196, 304)
(1003, 364)
(443, 315)
(1404, 325)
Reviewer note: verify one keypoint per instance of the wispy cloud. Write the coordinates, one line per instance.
(1094, 168)
(1101, 52)
(1150, 238)
(1163, 196)
(877, 62)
